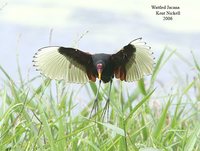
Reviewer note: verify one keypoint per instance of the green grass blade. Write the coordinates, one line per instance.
(195, 62)
(141, 86)
(47, 129)
(192, 139)
(114, 128)
(159, 65)
(159, 127)
(146, 98)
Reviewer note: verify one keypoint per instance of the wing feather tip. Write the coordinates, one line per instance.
(148, 54)
(140, 38)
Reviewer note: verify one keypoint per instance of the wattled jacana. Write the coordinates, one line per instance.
(131, 63)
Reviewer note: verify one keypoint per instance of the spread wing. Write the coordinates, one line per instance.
(133, 61)
(61, 63)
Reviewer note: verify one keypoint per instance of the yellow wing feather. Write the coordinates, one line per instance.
(54, 65)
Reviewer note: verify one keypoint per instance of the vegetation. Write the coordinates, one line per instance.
(45, 117)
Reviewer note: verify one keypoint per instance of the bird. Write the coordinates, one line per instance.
(131, 63)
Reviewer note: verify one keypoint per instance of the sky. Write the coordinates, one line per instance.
(25, 26)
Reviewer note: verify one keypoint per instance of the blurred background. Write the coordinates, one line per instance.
(26, 26)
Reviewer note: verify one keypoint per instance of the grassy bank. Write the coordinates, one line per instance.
(33, 118)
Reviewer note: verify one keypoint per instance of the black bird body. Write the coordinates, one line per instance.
(131, 63)
(108, 69)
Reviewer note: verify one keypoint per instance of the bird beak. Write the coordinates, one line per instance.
(99, 73)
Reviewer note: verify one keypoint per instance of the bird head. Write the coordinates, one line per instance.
(99, 67)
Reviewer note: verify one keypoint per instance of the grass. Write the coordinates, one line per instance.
(42, 117)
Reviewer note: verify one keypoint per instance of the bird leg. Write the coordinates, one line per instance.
(95, 104)
(106, 107)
